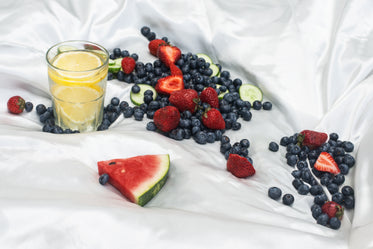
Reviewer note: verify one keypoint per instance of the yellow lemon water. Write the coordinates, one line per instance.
(77, 83)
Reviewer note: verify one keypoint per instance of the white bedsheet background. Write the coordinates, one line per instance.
(313, 61)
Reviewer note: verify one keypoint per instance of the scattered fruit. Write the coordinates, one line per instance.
(185, 99)
(210, 96)
(169, 84)
(274, 193)
(154, 44)
(175, 70)
(332, 209)
(167, 118)
(213, 119)
(137, 93)
(326, 163)
(16, 105)
(168, 54)
(312, 139)
(288, 199)
(138, 178)
(239, 166)
(128, 64)
(250, 93)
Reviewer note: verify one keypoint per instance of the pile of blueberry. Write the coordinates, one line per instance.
(308, 180)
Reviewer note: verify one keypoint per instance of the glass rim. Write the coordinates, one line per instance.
(82, 42)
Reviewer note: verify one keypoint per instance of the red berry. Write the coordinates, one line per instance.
(175, 70)
(154, 44)
(166, 118)
(185, 99)
(210, 96)
(213, 119)
(168, 84)
(128, 64)
(312, 139)
(332, 209)
(168, 54)
(16, 104)
(239, 166)
(326, 163)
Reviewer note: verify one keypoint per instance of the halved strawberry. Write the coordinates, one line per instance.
(168, 84)
(168, 54)
(154, 44)
(326, 163)
(175, 70)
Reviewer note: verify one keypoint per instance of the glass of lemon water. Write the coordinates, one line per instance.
(77, 73)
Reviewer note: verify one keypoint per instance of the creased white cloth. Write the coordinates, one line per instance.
(312, 59)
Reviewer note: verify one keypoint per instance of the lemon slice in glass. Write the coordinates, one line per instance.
(77, 106)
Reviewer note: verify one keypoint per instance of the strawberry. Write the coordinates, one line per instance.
(168, 84)
(154, 44)
(239, 166)
(332, 209)
(213, 119)
(185, 99)
(166, 118)
(168, 54)
(326, 163)
(210, 96)
(175, 70)
(16, 104)
(128, 64)
(312, 139)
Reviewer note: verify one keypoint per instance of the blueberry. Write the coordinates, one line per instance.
(40, 109)
(267, 106)
(246, 115)
(333, 136)
(200, 137)
(284, 141)
(257, 105)
(225, 147)
(348, 146)
(115, 101)
(210, 137)
(224, 139)
(125, 53)
(117, 52)
(245, 143)
(303, 189)
(138, 114)
(334, 223)
(292, 160)
(302, 165)
(57, 130)
(236, 126)
(120, 76)
(338, 198)
(134, 56)
(316, 190)
(323, 219)
(145, 30)
(103, 179)
(325, 180)
(347, 190)
(43, 117)
(274, 193)
(135, 89)
(273, 146)
(316, 211)
(349, 160)
(47, 128)
(147, 99)
(112, 116)
(28, 106)
(225, 74)
(349, 202)
(123, 105)
(218, 135)
(297, 183)
(344, 168)
(296, 174)
(339, 151)
(128, 112)
(332, 188)
(320, 199)
(339, 179)
(288, 199)
(110, 76)
(295, 150)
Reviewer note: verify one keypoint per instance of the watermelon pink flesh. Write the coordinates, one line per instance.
(131, 176)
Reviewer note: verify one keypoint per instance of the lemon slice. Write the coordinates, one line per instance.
(77, 106)
(77, 67)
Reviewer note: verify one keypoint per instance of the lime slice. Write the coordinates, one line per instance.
(115, 65)
(250, 93)
(215, 70)
(138, 98)
(205, 56)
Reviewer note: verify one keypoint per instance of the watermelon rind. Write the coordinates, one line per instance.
(149, 191)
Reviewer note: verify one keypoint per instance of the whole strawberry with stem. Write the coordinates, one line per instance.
(185, 99)
(312, 139)
(154, 44)
(239, 166)
(213, 119)
(166, 118)
(333, 209)
(210, 96)
(16, 104)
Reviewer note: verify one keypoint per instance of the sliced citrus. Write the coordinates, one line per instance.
(76, 106)
(250, 93)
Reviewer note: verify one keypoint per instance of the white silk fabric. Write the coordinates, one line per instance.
(312, 59)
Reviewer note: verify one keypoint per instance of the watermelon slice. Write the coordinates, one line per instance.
(138, 178)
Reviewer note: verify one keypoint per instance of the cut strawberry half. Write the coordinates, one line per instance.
(168, 54)
(326, 163)
(167, 85)
(175, 70)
